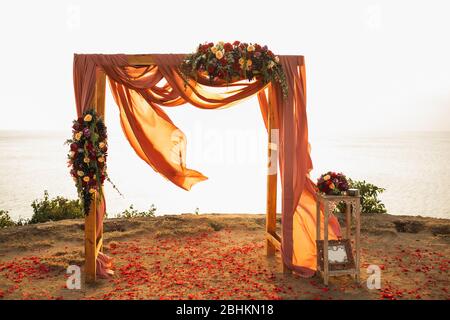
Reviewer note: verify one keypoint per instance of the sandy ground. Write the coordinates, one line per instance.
(218, 257)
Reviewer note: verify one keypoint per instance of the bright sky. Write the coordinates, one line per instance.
(371, 66)
(376, 64)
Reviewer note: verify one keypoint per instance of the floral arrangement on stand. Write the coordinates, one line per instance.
(233, 62)
(332, 183)
(87, 156)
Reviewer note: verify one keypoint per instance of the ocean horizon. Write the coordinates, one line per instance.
(413, 167)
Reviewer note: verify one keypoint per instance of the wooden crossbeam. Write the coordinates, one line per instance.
(140, 60)
(274, 240)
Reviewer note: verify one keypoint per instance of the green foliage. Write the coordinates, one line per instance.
(5, 219)
(133, 213)
(369, 197)
(55, 209)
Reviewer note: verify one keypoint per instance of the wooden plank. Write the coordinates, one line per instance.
(100, 92)
(92, 243)
(318, 218)
(357, 238)
(342, 272)
(325, 245)
(336, 197)
(140, 59)
(272, 169)
(100, 96)
(147, 60)
(348, 220)
(317, 230)
(276, 243)
(90, 232)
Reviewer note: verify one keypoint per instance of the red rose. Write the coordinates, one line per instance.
(236, 43)
(228, 47)
(210, 44)
(223, 62)
(76, 126)
(257, 47)
(211, 69)
(73, 147)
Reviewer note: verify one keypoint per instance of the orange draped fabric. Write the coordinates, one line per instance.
(142, 91)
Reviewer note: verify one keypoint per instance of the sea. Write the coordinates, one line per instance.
(413, 167)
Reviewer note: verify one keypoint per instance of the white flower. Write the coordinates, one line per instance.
(277, 59)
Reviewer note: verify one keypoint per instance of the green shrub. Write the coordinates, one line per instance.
(5, 220)
(369, 197)
(55, 209)
(133, 213)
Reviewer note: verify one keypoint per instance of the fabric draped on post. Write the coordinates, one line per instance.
(141, 91)
(104, 262)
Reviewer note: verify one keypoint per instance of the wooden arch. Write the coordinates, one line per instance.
(94, 243)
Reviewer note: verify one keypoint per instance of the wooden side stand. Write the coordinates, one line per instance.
(352, 204)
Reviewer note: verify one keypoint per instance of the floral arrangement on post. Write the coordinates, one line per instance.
(234, 62)
(87, 156)
(332, 183)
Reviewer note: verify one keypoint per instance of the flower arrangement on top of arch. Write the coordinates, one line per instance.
(233, 62)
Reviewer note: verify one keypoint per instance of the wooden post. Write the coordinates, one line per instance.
(325, 245)
(100, 85)
(357, 211)
(92, 243)
(348, 220)
(90, 231)
(318, 230)
(272, 170)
